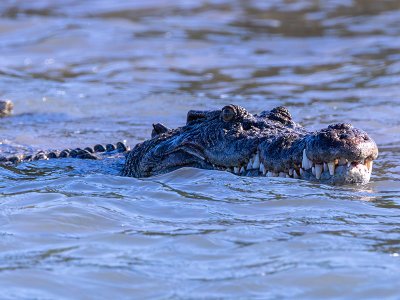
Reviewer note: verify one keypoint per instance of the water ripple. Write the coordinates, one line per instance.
(88, 72)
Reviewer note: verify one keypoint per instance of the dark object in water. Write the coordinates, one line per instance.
(6, 108)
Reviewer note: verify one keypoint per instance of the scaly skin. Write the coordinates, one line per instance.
(231, 139)
(269, 144)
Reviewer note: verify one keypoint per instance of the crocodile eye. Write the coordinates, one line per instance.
(228, 113)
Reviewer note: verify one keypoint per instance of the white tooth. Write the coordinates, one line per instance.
(249, 165)
(326, 169)
(262, 167)
(236, 170)
(291, 172)
(331, 167)
(313, 170)
(318, 170)
(310, 163)
(264, 171)
(301, 171)
(349, 164)
(275, 174)
(369, 165)
(256, 163)
(242, 170)
(295, 175)
(342, 161)
(362, 161)
(282, 174)
(269, 174)
(287, 176)
(306, 161)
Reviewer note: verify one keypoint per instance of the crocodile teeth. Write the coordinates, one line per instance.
(282, 174)
(256, 163)
(301, 171)
(295, 176)
(326, 167)
(349, 164)
(306, 163)
(291, 172)
(236, 170)
(313, 171)
(249, 165)
(318, 170)
(331, 166)
(262, 168)
(242, 170)
(369, 164)
(269, 174)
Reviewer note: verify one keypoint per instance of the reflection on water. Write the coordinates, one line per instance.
(84, 72)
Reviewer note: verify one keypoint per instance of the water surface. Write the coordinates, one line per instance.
(87, 72)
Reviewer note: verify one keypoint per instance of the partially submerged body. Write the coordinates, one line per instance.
(231, 139)
(269, 144)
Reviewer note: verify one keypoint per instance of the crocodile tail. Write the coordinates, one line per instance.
(86, 153)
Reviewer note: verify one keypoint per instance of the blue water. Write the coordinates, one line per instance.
(88, 72)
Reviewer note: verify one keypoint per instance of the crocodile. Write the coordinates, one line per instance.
(232, 139)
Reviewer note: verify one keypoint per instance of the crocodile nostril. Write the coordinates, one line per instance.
(247, 126)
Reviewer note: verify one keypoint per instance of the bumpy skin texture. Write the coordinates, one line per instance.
(348, 142)
(6, 108)
(230, 138)
(97, 152)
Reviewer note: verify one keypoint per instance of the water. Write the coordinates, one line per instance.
(87, 72)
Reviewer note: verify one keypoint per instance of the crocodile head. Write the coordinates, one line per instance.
(268, 144)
